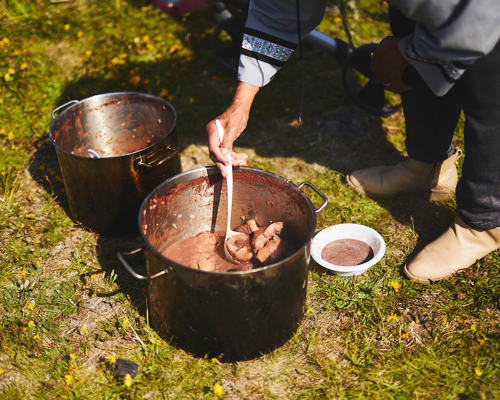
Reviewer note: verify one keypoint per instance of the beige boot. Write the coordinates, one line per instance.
(456, 249)
(436, 180)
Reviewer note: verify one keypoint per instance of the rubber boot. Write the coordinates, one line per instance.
(437, 181)
(458, 248)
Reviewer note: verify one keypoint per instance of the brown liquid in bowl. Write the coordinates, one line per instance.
(347, 252)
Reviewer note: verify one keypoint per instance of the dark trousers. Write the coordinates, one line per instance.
(431, 121)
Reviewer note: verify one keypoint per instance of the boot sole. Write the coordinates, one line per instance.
(429, 195)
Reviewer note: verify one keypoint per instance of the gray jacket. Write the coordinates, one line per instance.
(449, 36)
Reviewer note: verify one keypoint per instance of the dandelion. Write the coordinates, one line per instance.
(3, 131)
(478, 372)
(36, 337)
(145, 39)
(66, 27)
(111, 359)
(1, 101)
(11, 71)
(125, 323)
(395, 285)
(135, 80)
(72, 356)
(44, 96)
(10, 135)
(72, 368)
(6, 77)
(84, 329)
(68, 379)
(481, 341)
(31, 324)
(404, 336)
(31, 306)
(473, 328)
(127, 381)
(88, 53)
(124, 3)
(1, 371)
(392, 317)
(79, 34)
(218, 390)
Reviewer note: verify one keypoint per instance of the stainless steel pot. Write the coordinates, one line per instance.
(134, 139)
(230, 315)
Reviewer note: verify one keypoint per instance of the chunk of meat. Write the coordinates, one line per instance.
(248, 228)
(239, 247)
(202, 262)
(263, 235)
(272, 251)
(207, 241)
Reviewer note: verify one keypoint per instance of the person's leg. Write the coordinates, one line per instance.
(430, 125)
(478, 192)
(475, 232)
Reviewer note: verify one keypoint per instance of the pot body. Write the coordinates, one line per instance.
(135, 138)
(230, 315)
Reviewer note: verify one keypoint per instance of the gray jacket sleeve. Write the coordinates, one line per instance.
(449, 36)
(271, 36)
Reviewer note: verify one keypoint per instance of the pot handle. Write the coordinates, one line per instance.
(142, 162)
(63, 106)
(130, 269)
(323, 196)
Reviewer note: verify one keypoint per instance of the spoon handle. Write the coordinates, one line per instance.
(229, 179)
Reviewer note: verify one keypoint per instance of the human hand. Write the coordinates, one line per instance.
(234, 121)
(388, 65)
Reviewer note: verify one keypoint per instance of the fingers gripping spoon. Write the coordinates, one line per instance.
(229, 182)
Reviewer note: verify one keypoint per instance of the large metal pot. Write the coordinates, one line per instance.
(134, 137)
(230, 315)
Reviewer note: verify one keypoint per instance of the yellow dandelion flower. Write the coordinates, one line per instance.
(158, 38)
(88, 53)
(395, 285)
(478, 372)
(1, 371)
(66, 27)
(6, 77)
(15, 53)
(93, 276)
(125, 323)
(11, 71)
(79, 34)
(31, 324)
(392, 317)
(111, 359)
(84, 329)
(82, 380)
(72, 368)
(1, 101)
(135, 80)
(124, 3)
(31, 306)
(36, 337)
(145, 39)
(124, 55)
(6, 41)
(150, 47)
(473, 327)
(25, 329)
(68, 379)
(218, 390)
(404, 336)
(127, 381)
(72, 356)
(10, 135)
(116, 61)
(23, 66)
(3, 131)
(44, 96)
(31, 215)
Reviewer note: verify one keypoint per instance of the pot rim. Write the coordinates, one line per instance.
(252, 271)
(124, 94)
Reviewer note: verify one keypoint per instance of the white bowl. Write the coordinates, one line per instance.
(348, 231)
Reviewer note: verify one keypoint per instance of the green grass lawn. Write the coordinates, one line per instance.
(68, 308)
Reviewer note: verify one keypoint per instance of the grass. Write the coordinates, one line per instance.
(67, 305)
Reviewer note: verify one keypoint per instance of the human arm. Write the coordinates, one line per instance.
(449, 36)
(234, 121)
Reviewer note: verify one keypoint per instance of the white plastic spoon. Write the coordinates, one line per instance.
(229, 182)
